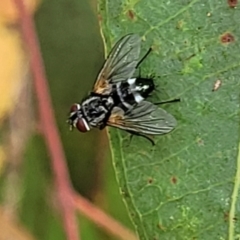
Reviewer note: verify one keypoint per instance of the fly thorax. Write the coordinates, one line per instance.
(108, 102)
(96, 108)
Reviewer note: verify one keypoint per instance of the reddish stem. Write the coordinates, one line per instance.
(67, 197)
(48, 123)
(103, 220)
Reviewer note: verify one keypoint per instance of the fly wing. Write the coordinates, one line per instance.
(120, 64)
(145, 118)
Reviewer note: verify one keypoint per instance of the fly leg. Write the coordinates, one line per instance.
(141, 135)
(93, 94)
(143, 58)
(170, 101)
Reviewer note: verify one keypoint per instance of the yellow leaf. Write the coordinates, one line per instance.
(9, 13)
(12, 69)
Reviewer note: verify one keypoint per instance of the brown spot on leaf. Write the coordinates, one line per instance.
(124, 193)
(227, 38)
(100, 18)
(150, 180)
(232, 3)
(131, 14)
(173, 179)
(226, 217)
(200, 142)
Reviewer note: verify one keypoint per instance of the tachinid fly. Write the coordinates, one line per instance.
(118, 99)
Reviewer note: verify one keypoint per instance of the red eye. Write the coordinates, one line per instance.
(82, 125)
(74, 108)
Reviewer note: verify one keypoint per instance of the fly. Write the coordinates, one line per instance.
(118, 99)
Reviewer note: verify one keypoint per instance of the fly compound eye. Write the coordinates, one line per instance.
(74, 108)
(82, 125)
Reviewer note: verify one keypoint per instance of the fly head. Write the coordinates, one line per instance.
(76, 119)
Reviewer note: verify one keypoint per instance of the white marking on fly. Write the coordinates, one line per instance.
(131, 81)
(78, 106)
(85, 124)
(140, 88)
(138, 98)
(91, 99)
(119, 92)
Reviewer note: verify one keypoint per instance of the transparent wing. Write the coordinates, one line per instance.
(120, 64)
(145, 118)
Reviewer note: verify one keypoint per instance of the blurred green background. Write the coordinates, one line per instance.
(72, 51)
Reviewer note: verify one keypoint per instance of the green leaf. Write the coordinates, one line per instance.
(186, 186)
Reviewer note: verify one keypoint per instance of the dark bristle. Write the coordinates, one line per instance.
(144, 57)
(170, 101)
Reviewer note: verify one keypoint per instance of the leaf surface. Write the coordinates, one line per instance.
(187, 185)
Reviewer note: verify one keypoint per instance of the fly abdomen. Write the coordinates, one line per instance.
(134, 90)
(141, 88)
(144, 86)
(123, 96)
